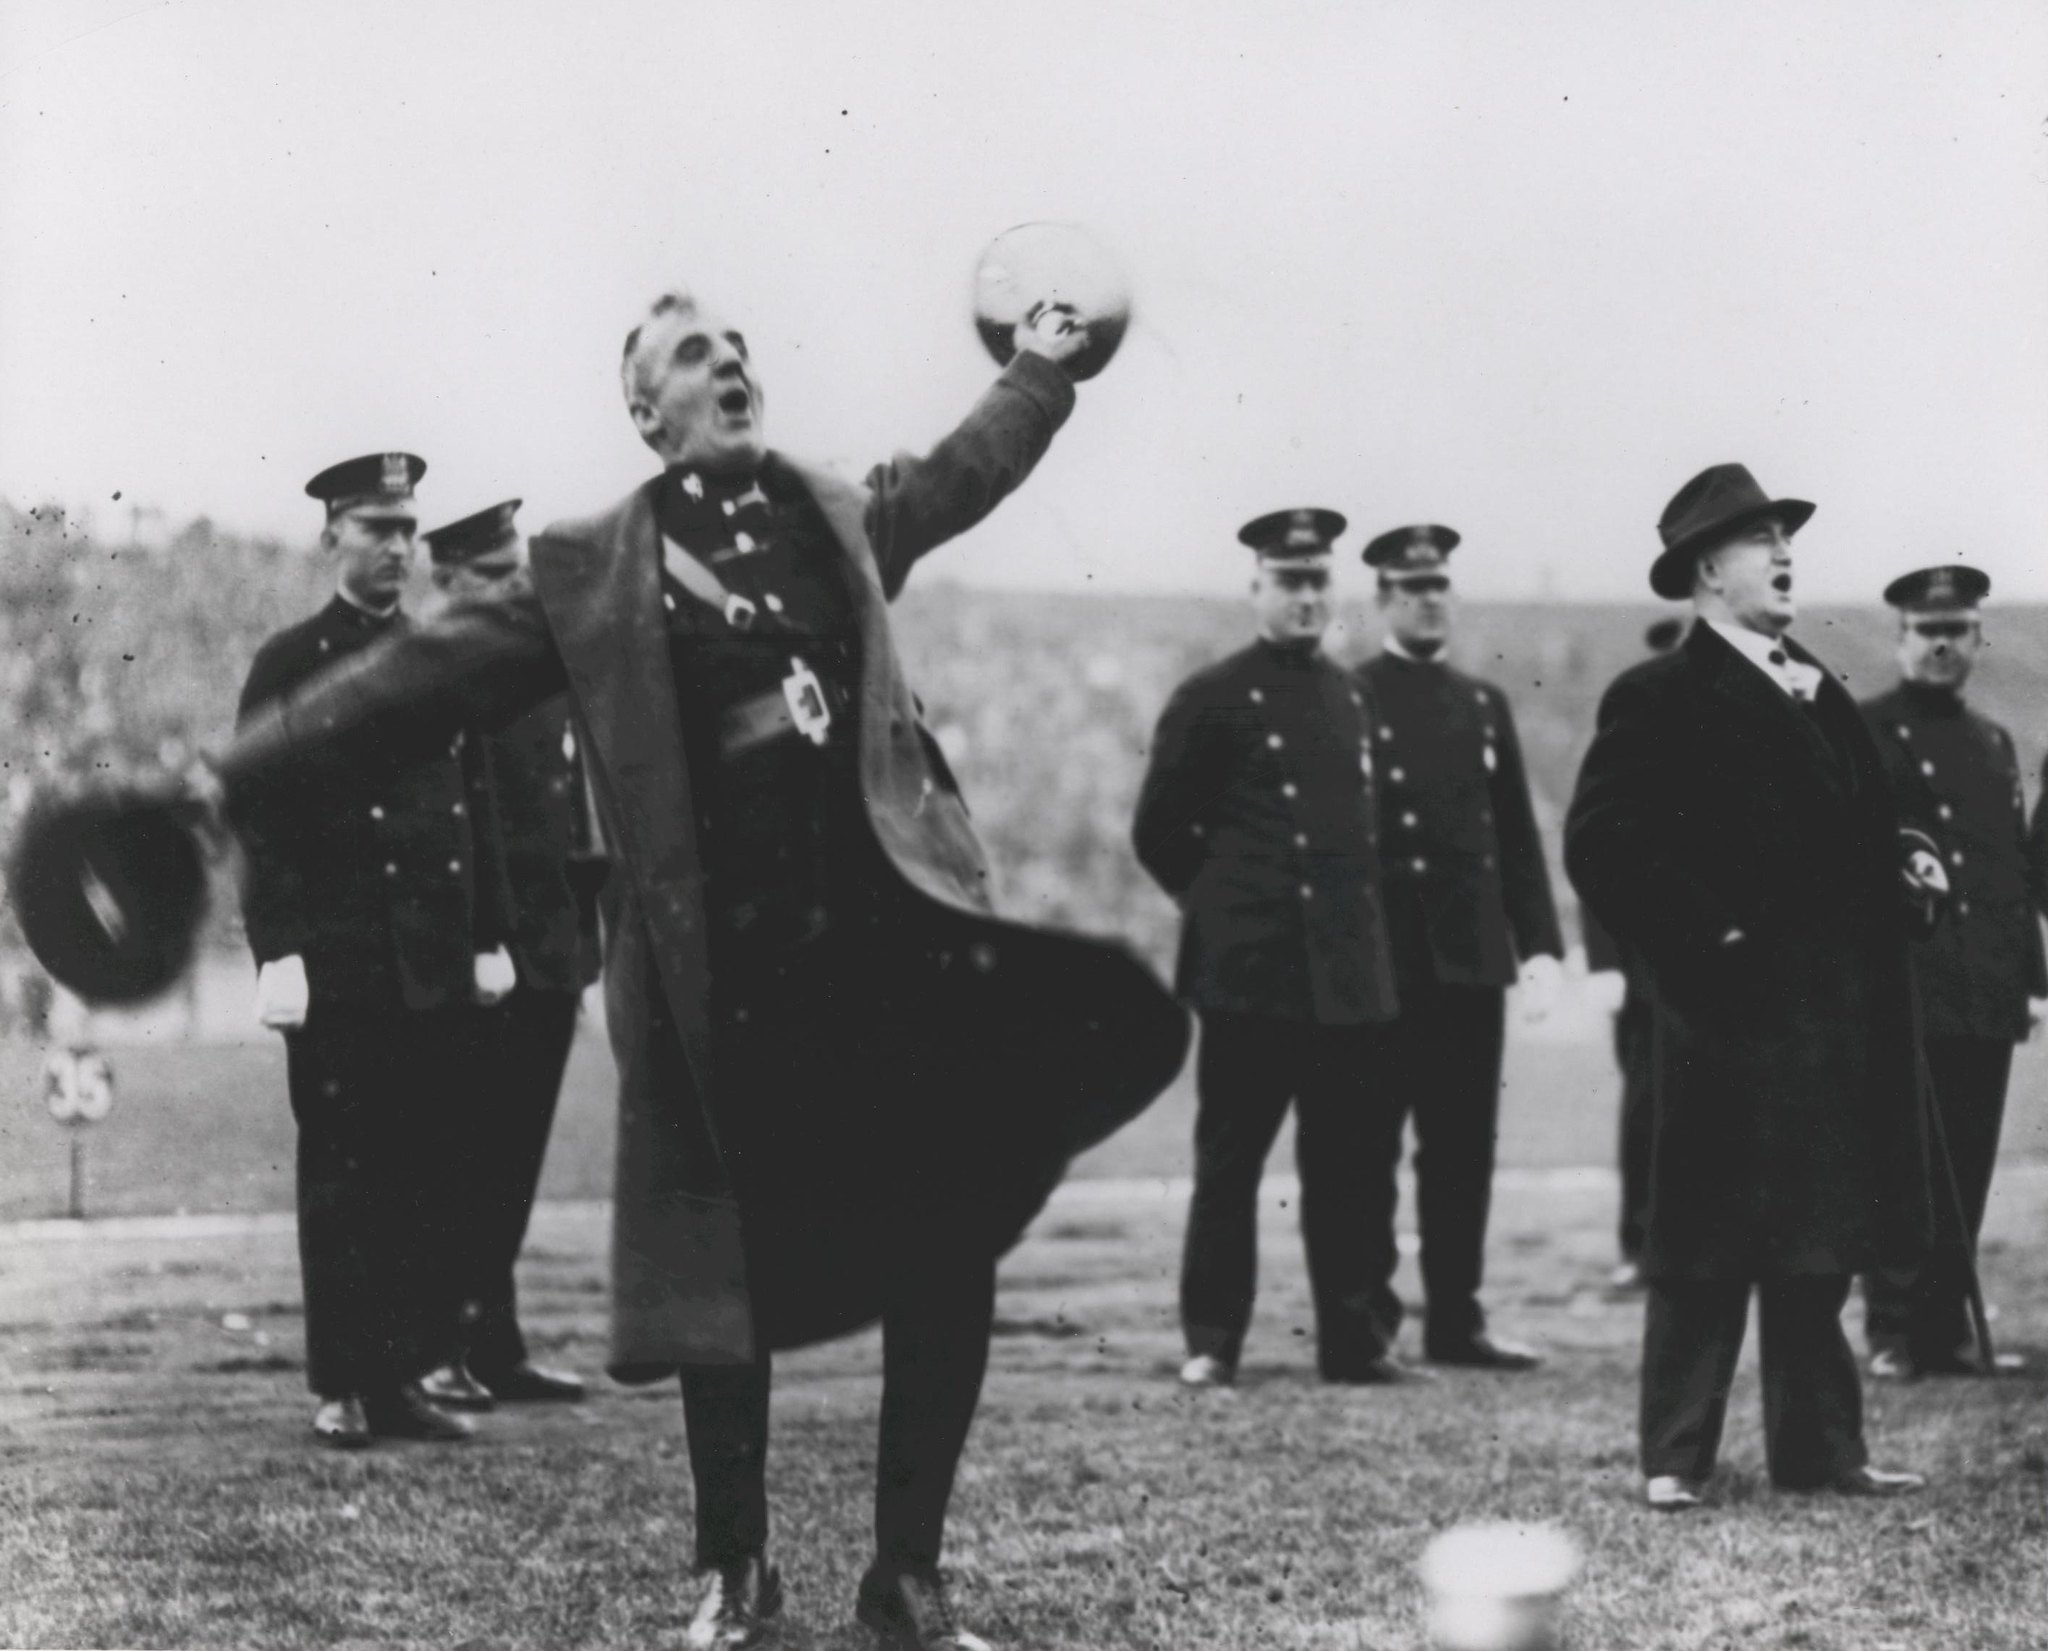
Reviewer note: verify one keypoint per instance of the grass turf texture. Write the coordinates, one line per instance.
(158, 1485)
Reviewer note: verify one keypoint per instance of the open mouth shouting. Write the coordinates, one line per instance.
(736, 402)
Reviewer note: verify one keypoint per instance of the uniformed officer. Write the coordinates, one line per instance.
(1256, 816)
(371, 922)
(1467, 896)
(1958, 779)
(1633, 1019)
(528, 788)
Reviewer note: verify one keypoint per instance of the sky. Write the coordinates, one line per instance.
(1520, 268)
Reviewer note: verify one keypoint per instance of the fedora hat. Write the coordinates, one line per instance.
(1720, 501)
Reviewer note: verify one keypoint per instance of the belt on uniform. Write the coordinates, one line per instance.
(799, 704)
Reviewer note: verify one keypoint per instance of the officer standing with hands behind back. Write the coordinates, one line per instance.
(373, 921)
(1256, 816)
(1468, 897)
(1956, 777)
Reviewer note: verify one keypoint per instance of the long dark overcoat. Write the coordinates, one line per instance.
(1791, 1114)
(1067, 1038)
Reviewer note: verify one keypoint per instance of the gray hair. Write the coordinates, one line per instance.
(632, 379)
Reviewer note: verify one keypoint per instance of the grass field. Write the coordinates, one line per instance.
(157, 1487)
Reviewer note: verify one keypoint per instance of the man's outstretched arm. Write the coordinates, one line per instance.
(483, 661)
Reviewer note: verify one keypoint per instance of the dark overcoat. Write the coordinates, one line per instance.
(1072, 1037)
(1957, 777)
(1791, 1110)
(1256, 815)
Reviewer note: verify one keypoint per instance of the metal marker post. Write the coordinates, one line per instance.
(78, 1088)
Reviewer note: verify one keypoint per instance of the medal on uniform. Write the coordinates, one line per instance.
(807, 706)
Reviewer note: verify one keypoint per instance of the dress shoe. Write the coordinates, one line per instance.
(1875, 1482)
(738, 1606)
(1893, 1364)
(1480, 1351)
(1667, 1493)
(340, 1425)
(1206, 1370)
(405, 1413)
(453, 1387)
(910, 1612)
(1384, 1371)
(529, 1383)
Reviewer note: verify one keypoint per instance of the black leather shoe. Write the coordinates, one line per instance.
(1481, 1352)
(1384, 1371)
(339, 1424)
(454, 1387)
(529, 1383)
(405, 1413)
(1875, 1482)
(737, 1606)
(909, 1610)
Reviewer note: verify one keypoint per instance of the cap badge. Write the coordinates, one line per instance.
(397, 473)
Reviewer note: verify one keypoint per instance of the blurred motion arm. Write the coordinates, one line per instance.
(482, 661)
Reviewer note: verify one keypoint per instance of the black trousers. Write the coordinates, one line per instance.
(1249, 1070)
(835, 1070)
(1813, 1401)
(1438, 1061)
(511, 1086)
(375, 1091)
(1924, 1312)
(935, 1337)
(1634, 1054)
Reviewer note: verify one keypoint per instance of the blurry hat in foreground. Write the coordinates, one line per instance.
(109, 890)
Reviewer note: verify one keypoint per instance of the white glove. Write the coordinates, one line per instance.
(495, 975)
(1607, 987)
(281, 994)
(1542, 980)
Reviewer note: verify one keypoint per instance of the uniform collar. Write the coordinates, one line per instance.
(1392, 643)
(360, 612)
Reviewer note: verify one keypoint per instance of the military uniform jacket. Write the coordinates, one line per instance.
(1957, 777)
(1074, 1036)
(1256, 815)
(1468, 893)
(1791, 1129)
(530, 788)
(362, 858)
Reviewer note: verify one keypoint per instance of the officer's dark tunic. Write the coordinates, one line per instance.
(807, 942)
(1957, 777)
(531, 789)
(1256, 816)
(360, 859)
(1468, 895)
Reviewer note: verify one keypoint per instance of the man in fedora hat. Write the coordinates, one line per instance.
(1468, 911)
(526, 790)
(845, 1086)
(1981, 971)
(372, 916)
(1634, 1044)
(1256, 817)
(1734, 828)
